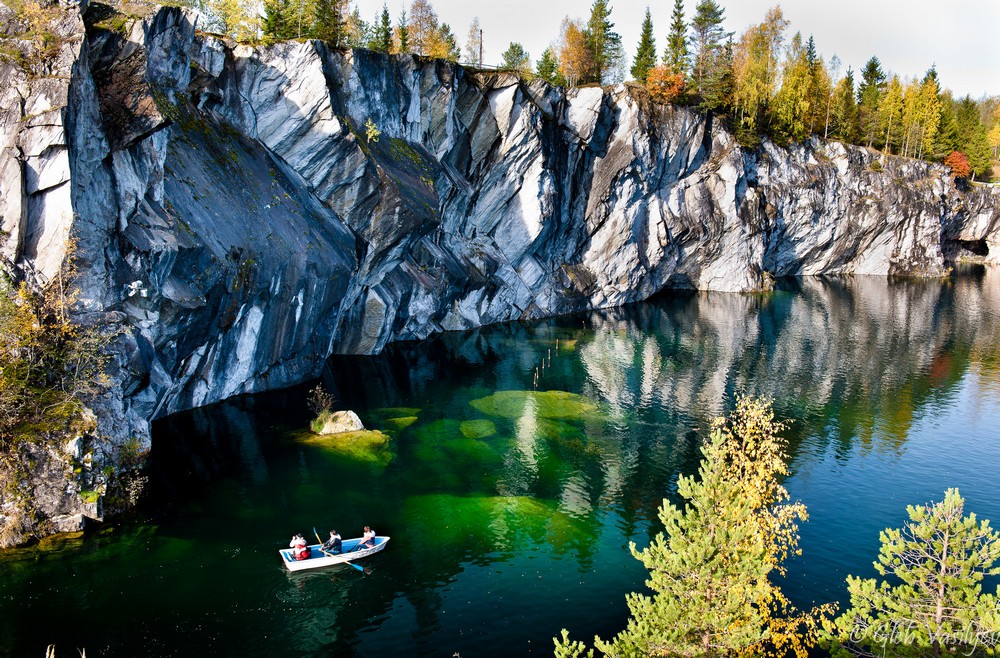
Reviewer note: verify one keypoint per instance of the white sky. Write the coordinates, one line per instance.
(962, 37)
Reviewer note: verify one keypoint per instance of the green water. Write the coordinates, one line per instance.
(510, 503)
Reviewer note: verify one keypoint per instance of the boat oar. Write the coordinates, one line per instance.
(331, 554)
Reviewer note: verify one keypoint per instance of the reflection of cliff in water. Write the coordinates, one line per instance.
(851, 358)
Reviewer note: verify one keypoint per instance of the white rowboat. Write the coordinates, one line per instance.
(318, 558)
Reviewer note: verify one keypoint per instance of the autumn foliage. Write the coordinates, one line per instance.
(664, 85)
(958, 162)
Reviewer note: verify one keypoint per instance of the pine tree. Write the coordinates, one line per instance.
(707, 41)
(516, 58)
(973, 138)
(645, 56)
(934, 604)
(676, 56)
(444, 45)
(947, 139)
(710, 569)
(382, 37)
(603, 42)
(548, 69)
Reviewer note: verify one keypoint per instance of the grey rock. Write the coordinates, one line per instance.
(236, 225)
(341, 421)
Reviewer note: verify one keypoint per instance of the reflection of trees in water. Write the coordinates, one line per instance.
(852, 358)
(852, 361)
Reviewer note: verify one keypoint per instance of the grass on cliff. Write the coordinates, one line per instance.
(50, 365)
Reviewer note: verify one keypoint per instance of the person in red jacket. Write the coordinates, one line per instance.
(300, 550)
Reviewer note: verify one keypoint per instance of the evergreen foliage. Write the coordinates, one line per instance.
(645, 56)
(548, 69)
(278, 19)
(710, 570)
(516, 58)
(869, 95)
(844, 110)
(933, 604)
(446, 45)
(676, 55)
(603, 43)
(326, 22)
(710, 66)
(402, 36)
(382, 37)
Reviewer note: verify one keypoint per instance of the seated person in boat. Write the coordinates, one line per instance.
(368, 540)
(300, 550)
(332, 545)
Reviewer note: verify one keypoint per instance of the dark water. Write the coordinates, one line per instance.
(509, 509)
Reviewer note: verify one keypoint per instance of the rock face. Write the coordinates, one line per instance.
(238, 224)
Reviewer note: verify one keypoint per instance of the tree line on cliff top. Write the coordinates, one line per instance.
(765, 82)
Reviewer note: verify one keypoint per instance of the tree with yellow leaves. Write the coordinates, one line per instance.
(755, 72)
(711, 569)
(575, 58)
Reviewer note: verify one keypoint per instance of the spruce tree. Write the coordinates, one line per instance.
(934, 604)
(844, 110)
(382, 37)
(326, 22)
(869, 96)
(676, 56)
(645, 56)
(278, 19)
(403, 34)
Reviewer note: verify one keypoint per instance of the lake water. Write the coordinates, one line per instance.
(510, 503)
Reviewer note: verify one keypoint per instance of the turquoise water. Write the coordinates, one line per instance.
(510, 504)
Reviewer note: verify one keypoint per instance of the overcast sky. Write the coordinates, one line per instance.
(962, 37)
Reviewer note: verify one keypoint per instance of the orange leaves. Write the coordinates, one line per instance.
(958, 162)
(664, 85)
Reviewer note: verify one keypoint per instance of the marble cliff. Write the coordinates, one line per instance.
(236, 220)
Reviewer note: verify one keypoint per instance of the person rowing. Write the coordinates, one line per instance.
(367, 540)
(333, 544)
